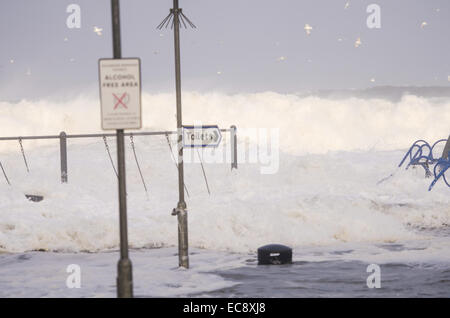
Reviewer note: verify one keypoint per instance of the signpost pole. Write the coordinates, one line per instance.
(180, 211)
(124, 278)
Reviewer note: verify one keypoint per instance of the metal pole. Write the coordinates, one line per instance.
(63, 156)
(233, 138)
(124, 278)
(180, 211)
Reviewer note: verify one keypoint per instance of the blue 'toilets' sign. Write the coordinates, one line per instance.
(201, 136)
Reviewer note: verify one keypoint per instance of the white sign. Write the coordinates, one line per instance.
(201, 136)
(120, 93)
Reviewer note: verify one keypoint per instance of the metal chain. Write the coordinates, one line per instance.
(4, 173)
(137, 163)
(23, 154)
(109, 154)
(204, 174)
(173, 157)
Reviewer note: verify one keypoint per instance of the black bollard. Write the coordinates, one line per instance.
(274, 254)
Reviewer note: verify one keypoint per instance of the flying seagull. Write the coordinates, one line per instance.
(308, 29)
(98, 30)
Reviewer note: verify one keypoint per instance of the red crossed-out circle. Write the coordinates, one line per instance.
(121, 100)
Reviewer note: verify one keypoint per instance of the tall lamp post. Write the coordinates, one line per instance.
(177, 19)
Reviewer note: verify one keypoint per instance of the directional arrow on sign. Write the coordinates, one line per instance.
(201, 136)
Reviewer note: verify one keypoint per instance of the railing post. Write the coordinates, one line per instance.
(63, 156)
(233, 143)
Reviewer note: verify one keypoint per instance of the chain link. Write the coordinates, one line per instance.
(137, 163)
(4, 173)
(109, 154)
(203, 170)
(173, 157)
(23, 154)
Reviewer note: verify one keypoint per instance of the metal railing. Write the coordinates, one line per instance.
(63, 143)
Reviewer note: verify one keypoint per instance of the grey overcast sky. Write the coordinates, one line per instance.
(238, 46)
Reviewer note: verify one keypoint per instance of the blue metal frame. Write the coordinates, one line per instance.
(421, 157)
(421, 153)
(440, 169)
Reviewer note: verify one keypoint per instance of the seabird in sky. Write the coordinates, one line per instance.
(308, 29)
(98, 30)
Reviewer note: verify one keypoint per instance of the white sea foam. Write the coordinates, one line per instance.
(308, 124)
(325, 192)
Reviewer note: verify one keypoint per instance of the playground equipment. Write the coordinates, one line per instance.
(424, 155)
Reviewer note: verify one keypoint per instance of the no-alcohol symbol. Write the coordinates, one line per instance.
(123, 100)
